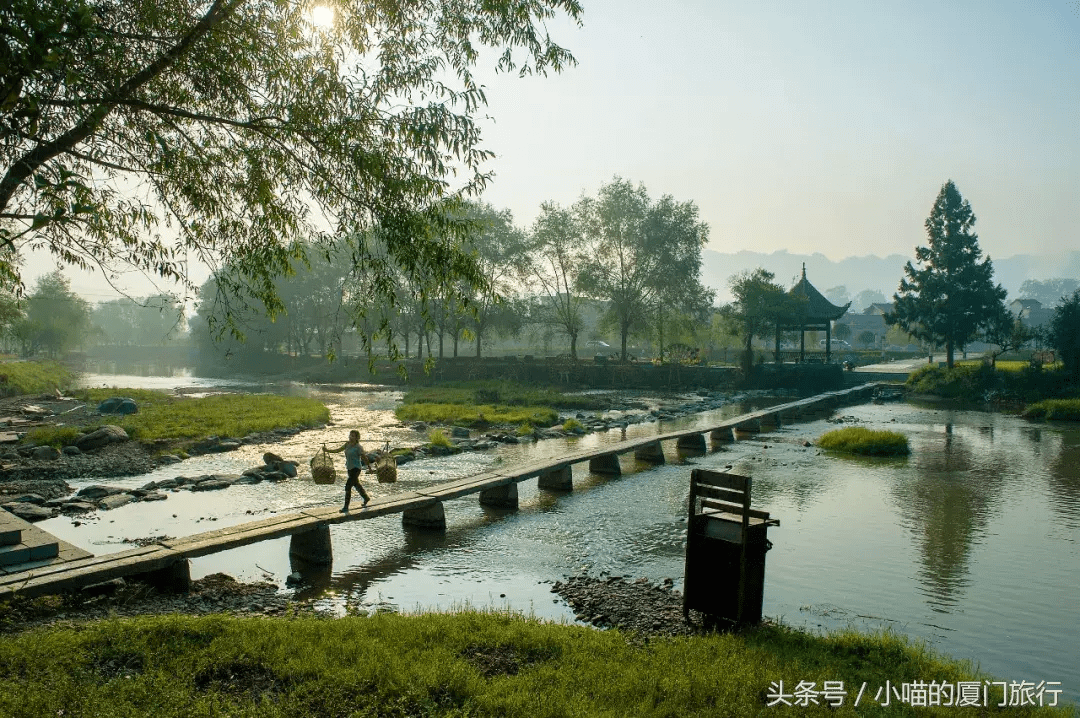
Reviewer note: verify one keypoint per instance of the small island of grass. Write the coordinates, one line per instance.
(865, 442)
(480, 404)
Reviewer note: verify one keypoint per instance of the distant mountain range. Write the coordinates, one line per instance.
(870, 272)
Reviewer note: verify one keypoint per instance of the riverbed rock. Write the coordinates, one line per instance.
(169, 459)
(211, 485)
(270, 458)
(71, 451)
(95, 492)
(154, 496)
(115, 501)
(45, 453)
(109, 434)
(459, 432)
(29, 512)
(77, 507)
(118, 405)
(35, 499)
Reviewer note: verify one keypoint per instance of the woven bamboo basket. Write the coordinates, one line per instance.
(386, 468)
(322, 468)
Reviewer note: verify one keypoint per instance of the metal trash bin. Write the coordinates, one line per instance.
(724, 575)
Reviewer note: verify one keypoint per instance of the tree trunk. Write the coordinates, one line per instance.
(573, 346)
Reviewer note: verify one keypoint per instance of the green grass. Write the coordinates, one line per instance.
(572, 424)
(438, 438)
(463, 664)
(859, 440)
(1060, 409)
(166, 417)
(472, 414)
(34, 377)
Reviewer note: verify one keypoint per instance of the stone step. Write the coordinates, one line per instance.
(22, 553)
(10, 529)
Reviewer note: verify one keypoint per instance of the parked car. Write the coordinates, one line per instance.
(597, 344)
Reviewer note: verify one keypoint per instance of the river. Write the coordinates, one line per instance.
(972, 543)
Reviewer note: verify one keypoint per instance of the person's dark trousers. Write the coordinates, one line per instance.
(354, 480)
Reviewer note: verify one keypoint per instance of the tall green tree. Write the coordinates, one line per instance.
(759, 304)
(157, 133)
(1050, 292)
(1064, 334)
(56, 319)
(555, 256)
(951, 296)
(149, 321)
(498, 248)
(645, 256)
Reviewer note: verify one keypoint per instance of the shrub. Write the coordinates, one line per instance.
(857, 440)
(525, 429)
(438, 438)
(959, 382)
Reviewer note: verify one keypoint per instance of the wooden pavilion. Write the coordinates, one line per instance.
(814, 313)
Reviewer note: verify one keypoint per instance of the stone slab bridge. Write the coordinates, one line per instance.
(32, 562)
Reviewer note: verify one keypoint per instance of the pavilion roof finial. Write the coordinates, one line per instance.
(804, 270)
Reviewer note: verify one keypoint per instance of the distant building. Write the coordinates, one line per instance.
(871, 319)
(1031, 312)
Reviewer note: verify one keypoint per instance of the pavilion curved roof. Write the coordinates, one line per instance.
(816, 308)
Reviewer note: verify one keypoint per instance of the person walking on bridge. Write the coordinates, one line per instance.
(355, 458)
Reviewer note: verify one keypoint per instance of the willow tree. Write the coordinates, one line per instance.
(644, 256)
(156, 134)
(951, 297)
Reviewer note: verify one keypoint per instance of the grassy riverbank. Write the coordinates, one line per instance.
(34, 377)
(490, 403)
(465, 664)
(165, 417)
(972, 382)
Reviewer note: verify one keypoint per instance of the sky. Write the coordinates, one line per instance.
(809, 126)
(801, 126)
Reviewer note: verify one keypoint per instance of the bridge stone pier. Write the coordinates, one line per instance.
(426, 517)
(313, 546)
(559, 479)
(502, 497)
(653, 453)
(692, 442)
(721, 435)
(605, 464)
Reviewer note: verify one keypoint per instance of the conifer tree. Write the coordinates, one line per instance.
(950, 297)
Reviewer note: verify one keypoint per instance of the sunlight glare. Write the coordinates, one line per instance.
(322, 16)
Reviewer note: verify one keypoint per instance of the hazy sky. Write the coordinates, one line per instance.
(810, 126)
(804, 126)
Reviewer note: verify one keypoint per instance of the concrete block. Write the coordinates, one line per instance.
(430, 517)
(560, 479)
(605, 464)
(504, 497)
(313, 547)
(653, 453)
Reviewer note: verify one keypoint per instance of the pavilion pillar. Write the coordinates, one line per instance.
(802, 344)
(776, 354)
(828, 340)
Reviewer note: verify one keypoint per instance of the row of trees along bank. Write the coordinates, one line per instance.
(634, 258)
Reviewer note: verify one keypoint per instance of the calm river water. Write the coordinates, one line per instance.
(971, 543)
